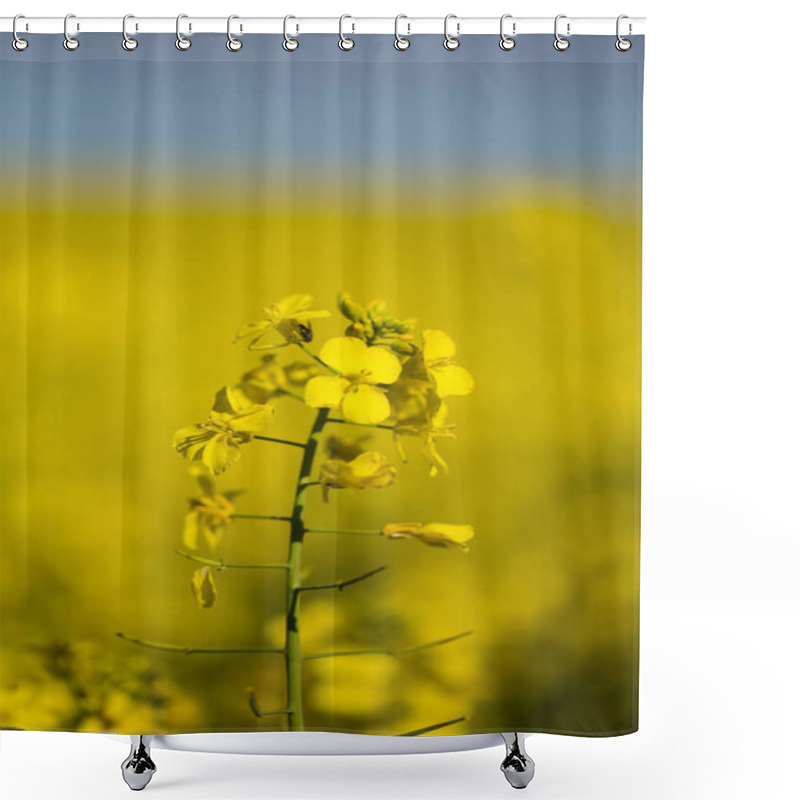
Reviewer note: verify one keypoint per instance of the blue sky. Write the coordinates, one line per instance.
(425, 110)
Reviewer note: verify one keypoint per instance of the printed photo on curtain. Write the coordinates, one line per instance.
(320, 385)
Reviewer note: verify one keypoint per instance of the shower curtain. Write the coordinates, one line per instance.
(320, 385)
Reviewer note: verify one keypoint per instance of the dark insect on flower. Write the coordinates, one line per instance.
(306, 334)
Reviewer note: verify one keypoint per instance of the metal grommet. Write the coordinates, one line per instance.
(18, 43)
(181, 42)
(290, 44)
(623, 45)
(233, 44)
(560, 44)
(451, 42)
(345, 43)
(128, 42)
(506, 41)
(70, 42)
(400, 42)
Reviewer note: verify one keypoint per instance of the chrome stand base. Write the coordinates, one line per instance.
(138, 768)
(517, 766)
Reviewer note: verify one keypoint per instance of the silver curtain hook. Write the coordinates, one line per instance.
(70, 42)
(560, 42)
(18, 43)
(622, 44)
(181, 42)
(290, 44)
(507, 42)
(451, 42)
(400, 42)
(233, 44)
(128, 42)
(345, 43)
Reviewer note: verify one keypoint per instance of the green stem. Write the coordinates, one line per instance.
(293, 654)
(188, 651)
(312, 354)
(343, 530)
(293, 394)
(279, 441)
(226, 565)
(389, 651)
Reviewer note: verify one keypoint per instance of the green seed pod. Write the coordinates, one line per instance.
(403, 348)
(351, 310)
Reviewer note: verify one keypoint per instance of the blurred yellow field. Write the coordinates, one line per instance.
(118, 330)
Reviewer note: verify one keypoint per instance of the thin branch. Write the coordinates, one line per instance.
(258, 712)
(343, 530)
(430, 728)
(335, 585)
(292, 394)
(341, 584)
(316, 358)
(388, 651)
(361, 424)
(224, 565)
(189, 651)
(259, 516)
(280, 441)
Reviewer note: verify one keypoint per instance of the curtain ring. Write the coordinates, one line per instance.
(128, 42)
(233, 44)
(451, 42)
(18, 43)
(70, 42)
(507, 42)
(622, 44)
(290, 44)
(345, 43)
(560, 42)
(400, 42)
(181, 42)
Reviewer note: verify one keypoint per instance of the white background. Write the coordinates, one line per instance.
(720, 476)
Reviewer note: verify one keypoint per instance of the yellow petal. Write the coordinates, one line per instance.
(382, 365)
(253, 330)
(190, 440)
(451, 380)
(293, 303)
(436, 345)
(345, 354)
(443, 534)
(325, 391)
(367, 464)
(253, 420)
(205, 592)
(191, 527)
(220, 453)
(203, 477)
(365, 404)
(213, 536)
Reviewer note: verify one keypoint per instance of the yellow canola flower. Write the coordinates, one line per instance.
(288, 317)
(370, 470)
(263, 382)
(436, 534)
(439, 352)
(428, 431)
(355, 388)
(210, 513)
(216, 441)
(203, 587)
(420, 413)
